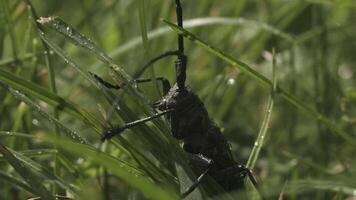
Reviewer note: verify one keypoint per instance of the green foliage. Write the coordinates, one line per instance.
(52, 111)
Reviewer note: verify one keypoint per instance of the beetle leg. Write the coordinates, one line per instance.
(200, 160)
(119, 129)
(238, 169)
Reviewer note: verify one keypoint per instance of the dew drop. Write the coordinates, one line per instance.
(35, 122)
(80, 160)
(231, 81)
(345, 72)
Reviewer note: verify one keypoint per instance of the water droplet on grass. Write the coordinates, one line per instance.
(231, 81)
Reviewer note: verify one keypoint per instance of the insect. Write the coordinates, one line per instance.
(190, 123)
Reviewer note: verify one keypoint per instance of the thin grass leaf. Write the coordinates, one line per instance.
(19, 183)
(125, 172)
(52, 81)
(70, 133)
(29, 176)
(265, 123)
(43, 94)
(41, 171)
(15, 134)
(265, 82)
(75, 37)
(36, 153)
(66, 58)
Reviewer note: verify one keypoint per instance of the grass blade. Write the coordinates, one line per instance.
(15, 134)
(265, 123)
(36, 107)
(16, 182)
(30, 177)
(126, 173)
(43, 94)
(37, 153)
(75, 37)
(40, 171)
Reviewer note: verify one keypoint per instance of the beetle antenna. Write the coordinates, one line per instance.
(181, 62)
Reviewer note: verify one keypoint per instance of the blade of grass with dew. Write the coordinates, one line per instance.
(52, 80)
(29, 176)
(42, 172)
(148, 188)
(19, 183)
(265, 123)
(66, 58)
(15, 134)
(265, 82)
(36, 153)
(75, 37)
(37, 108)
(43, 94)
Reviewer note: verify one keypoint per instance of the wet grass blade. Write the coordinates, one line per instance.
(36, 153)
(15, 134)
(126, 173)
(37, 108)
(16, 182)
(43, 94)
(265, 82)
(75, 37)
(29, 176)
(265, 123)
(41, 171)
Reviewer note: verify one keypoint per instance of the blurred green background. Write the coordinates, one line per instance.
(315, 41)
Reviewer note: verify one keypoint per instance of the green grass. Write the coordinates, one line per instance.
(299, 137)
